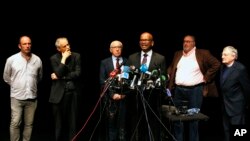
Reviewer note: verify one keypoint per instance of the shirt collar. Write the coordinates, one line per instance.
(149, 53)
(190, 52)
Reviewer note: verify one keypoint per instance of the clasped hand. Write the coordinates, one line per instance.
(118, 97)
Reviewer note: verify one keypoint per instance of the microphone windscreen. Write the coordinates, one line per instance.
(113, 73)
(154, 73)
(168, 93)
(163, 78)
(125, 75)
(143, 68)
(126, 69)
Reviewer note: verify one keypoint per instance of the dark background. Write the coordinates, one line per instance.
(91, 31)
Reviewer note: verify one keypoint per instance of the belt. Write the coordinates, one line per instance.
(190, 87)
(32, 100)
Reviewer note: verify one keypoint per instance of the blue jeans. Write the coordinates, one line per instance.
(28, 107)
(194, 98)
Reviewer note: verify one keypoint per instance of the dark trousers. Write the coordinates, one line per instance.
(65, 117)
(116, 112)
(194, 98)
(231, 123)
(144, 115)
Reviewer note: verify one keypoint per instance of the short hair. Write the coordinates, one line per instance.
(23, 36)
(190, 35)
(116, 42)
(58, 41)
(233, 50)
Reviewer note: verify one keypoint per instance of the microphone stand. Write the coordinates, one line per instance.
(141, 91)
(140, 88)
(146, 105)
(108, 82)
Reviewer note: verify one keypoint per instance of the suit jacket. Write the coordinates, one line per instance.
(157, 61)
(106, 67)
(208, 64)
(235, 89)
(152, 96)
(68, 74)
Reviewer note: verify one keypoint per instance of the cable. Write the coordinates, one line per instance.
(107, 84)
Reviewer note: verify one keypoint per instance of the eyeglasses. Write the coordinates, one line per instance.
(117, 47)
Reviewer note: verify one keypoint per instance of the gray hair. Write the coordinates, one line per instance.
(58, 41)
(233, 50)
(116, 43)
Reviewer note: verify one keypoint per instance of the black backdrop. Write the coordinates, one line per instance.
(90, 33)
(94, 46)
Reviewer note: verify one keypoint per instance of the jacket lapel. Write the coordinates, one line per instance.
(152, 62)
(229, 73)
(177, 59)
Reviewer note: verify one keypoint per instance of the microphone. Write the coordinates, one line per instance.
(158, 82)
(126, 69)
(169, 96)
(113, 73)
(161, 81)
(124, 75)
(154, 74)
(150, 84)
(132, 84)
(168, 93)
(135, 72)
(125, 72)
(143, 70)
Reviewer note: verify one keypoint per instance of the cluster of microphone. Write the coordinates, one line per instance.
(132, 77)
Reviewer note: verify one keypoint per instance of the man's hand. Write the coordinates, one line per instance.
(65, 55)
(118, 97)
(53, 76)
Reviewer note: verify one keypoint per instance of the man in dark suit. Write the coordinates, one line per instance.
(148, 124)
(113, 101)
(191, 73)
(235, 89)
(66, 67)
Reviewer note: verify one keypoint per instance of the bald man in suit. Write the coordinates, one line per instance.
(148, 124)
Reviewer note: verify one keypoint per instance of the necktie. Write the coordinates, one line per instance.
(117, 65)
(144, 60)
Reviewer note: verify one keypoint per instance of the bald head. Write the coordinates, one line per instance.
(147, 35)
(146, 41)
